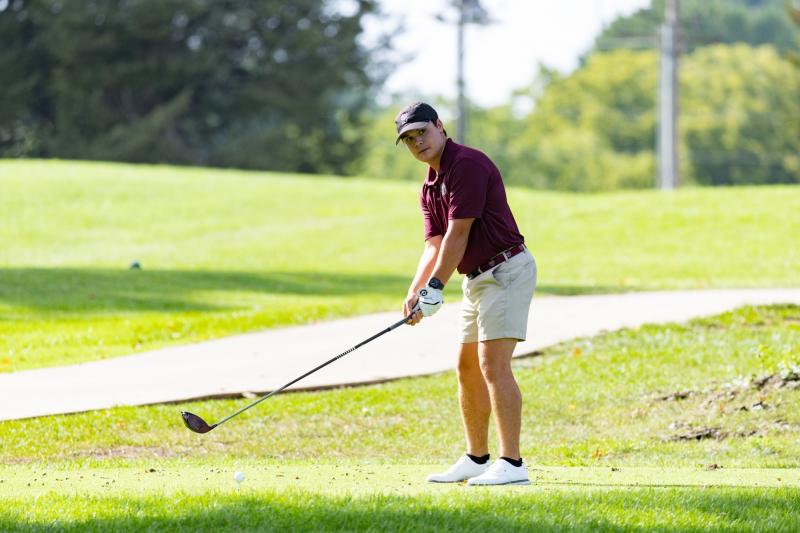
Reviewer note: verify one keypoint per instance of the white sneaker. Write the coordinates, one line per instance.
(502, 473)
(464, 468)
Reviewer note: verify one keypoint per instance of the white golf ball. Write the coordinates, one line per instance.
(239, 477)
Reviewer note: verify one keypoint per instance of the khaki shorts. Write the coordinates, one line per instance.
(496, 303)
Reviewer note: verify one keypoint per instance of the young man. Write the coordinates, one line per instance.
(469, 227)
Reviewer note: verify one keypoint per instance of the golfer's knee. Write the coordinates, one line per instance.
(495, 372)
(468, 369)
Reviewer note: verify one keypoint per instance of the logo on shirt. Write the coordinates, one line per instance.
(444, 189)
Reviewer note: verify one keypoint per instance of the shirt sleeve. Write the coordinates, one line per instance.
(469, 182)
(431, 228)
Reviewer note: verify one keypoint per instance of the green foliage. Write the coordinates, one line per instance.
(380, 157)
(739, 121)
(705, 22)
(265, 84)
(794, 55)
(740, 116)
(594, 129)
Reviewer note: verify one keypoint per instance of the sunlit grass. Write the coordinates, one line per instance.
(594, 401)
(564, 508)
(224, 252)
(601, 433)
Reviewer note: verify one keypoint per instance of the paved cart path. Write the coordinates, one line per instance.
(263, 361)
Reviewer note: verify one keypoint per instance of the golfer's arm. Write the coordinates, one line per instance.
(426, 263)
(452, 249)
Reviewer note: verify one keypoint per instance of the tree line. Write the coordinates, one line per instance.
(246, 83)
(595, 128)
(290, 86)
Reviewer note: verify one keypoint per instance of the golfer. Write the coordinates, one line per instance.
(469, 226)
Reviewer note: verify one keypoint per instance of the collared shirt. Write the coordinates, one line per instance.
(468, 185)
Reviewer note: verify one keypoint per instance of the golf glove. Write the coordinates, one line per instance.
(430, 300)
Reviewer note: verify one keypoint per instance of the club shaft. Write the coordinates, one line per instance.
(326, 363)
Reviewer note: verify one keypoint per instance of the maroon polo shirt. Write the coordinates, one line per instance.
(469, 185)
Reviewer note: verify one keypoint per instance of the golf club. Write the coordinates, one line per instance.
(198, 425)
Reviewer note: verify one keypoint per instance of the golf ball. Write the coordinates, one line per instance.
(239, 477)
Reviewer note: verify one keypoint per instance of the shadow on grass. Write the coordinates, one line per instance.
(492, 510)
(90, 290)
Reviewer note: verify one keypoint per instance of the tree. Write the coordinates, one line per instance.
(246, 83)
(25, 104)
(741, 122)
(740, 114)
(705, 22)
(595, 128)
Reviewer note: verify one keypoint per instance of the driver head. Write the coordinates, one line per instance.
(195, 423)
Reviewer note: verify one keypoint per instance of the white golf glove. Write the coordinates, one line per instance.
(430, 298)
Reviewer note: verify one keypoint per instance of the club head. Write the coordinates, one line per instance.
(195, 423)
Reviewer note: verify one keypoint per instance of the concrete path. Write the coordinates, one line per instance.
(260, 362)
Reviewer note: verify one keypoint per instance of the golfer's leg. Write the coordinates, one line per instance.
(506, 399)
(473, 398)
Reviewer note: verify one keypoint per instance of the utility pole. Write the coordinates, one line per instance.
(668, 98)
(461, 128)
(469, 12)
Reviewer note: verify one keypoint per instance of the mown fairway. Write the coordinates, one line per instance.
(177, 497)
(224, 251)
(690, 427)
(683, 427)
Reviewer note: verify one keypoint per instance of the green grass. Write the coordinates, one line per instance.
(592, 401)
(543, 508)
(659, 428)
(602, 439)
(225, 252)
(281, 497)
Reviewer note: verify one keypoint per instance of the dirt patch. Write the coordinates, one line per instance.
(680, 395)
(689, 433)
(730, 391)
(696, 433)
(779, 380)
(741, 395)
(126, 452)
